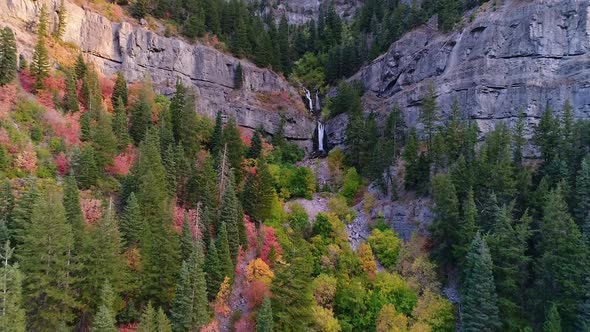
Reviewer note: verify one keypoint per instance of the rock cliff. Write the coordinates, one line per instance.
(111, 46)
(517, 56)
(302, 11)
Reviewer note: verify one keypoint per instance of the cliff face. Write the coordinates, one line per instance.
(302, 11)
(137, 52)
(515, 58)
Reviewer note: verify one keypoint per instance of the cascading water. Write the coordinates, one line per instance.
(312, 110)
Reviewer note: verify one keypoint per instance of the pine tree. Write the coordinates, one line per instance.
(120, 90)
(148, 321)
(508, 247)
(467, 225)
(256, 145)
(43, 24)
(12, 314)
(259, 193)
(162, 322)
(213, 269)
(264, 319)
(410, 157)
(80, 67)
(7, 56)
(6, 209)
(428, 115)
(560, 267)
(103, 139)
(177, 105)
(552, 320)
(186, 240)
(40, 64)
(20, 217)
(188, 127)
(74, 216)
(225, 258)
(120, 125)
(582, 191)
(141, 113)
(46, 260)
(104, 321)
(479, 309)
(62, 16)
(446, 228)
(229, 216)
(132, 222)
(159, 243)
(283, 44)
(87, 171)
(231, 137)
(216, 145)
(238, 76)
(70, 101)
(181, 308)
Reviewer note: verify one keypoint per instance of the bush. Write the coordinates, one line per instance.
(339, 207)
(352, 183)
(386, 246)
(298, 218)
(294, 181)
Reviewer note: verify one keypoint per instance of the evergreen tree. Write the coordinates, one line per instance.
(354, 133)
(104, 321)
(552, 320)
(7, 56)
(40, 63)
(182, 306)
(120, 125)
(479, 309)
(235, 148)
(446, 229)
(148, 321)
(87, 171)
(120, 90)
(6, 209)
(213, 270)
(560, 268)
(46, 260)
(283, 45)
(74, 216)
(141, 113)
(225, 258)
(428, 115)
(43, 24)
(70, 101)
(186, 239)
(264, 319)
(80, 67)
(582, 191)
(20, 217)
(62, 15)
(238, 76)
(12, 314)
(216, 145)
(256, 146)
(162, 322)
(188, 127)
(177, 105)
(259, 193)
(229, 216)
(410, 157)
(132, 222)
(467, 225)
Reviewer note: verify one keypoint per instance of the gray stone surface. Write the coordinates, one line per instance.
(137, 52)
(516, 58)
(302, 11)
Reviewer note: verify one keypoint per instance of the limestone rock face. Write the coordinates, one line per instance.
(262, 100)
(515, 58)
(302, 11)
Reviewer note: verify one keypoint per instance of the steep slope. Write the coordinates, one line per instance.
(515, 57)
(136, 51)
(302, 11)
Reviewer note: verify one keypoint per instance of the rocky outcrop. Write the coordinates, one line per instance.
(264, 98)
(302, 11)
(516, 56)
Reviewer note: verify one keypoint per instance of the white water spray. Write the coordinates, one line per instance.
(309, 100)
(320, 136)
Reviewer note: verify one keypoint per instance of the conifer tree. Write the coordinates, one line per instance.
(229, 216)
(12, 314)
(467, 225)
(167, 140)
(213, 270)
(159, 244)
(40, 63)
(20, 217)
(410, 156)
(74, 216)
(62, 15)
(162, 322)
(120, 90)
(141, 113)
(428, 115)
(43, 24)
(182, 306)
(283, 45)
(87, 171)
(120, 125)
(225, 258)
(7, 56)
(256, 146)
(80, 67)
(582, 191)
(264, 319)
(132, 222)
(103, 139)
(6, 209)
(216, 145)
(238, 76)
(235, 148)
(446, 231)
(177, 105)
(552, 320)
(104, 321)
(46, 260)
(258, 193)
(188, 127)
(560, 268)
(186, 240)
(479, 309)
(148, 321)
(70, 101)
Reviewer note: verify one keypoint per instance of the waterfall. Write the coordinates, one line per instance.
(309, 100)
(320, 136)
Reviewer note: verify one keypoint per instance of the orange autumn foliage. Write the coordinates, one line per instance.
(258, 270)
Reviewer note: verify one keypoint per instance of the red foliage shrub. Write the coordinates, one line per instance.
(27, 81)
(251, 232)
(64, 126)
(26, 161)
(271, 249)
(92, 209)
(246, 135)
(4, 137)
(45, 98)
(62, 164)
(7, 98)
(106, 87)
(123, 162)
(128, 327)
(193, 219)
(255, 293)
(211, 327)
(244, 324)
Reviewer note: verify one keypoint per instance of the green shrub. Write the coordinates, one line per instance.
(339, 207)
(298, 218)
(322, 226)
(386, 246)
(352, 183)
